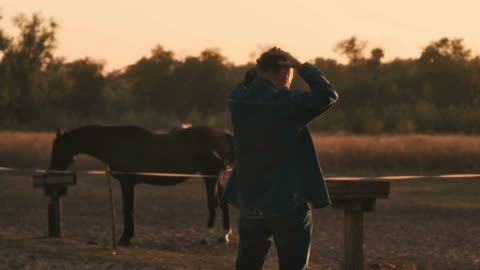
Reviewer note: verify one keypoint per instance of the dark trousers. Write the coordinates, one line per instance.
(291, 233)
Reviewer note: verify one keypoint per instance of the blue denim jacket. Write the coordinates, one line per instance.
(276, 166)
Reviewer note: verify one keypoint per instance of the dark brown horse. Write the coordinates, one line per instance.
(190, 150)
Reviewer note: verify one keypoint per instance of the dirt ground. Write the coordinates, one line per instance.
(427, 224)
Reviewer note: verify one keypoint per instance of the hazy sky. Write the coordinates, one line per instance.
(121, 31)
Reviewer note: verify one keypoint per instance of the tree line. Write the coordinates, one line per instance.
(438, 92)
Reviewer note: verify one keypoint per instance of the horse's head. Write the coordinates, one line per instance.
(62, 154)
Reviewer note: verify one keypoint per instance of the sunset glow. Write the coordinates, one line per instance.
(120, 32)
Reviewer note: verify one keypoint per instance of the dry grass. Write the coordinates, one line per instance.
(33, 150)
(25, 149)
(339, 154)
(348, 154)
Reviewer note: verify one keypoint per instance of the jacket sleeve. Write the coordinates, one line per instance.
(321, 96)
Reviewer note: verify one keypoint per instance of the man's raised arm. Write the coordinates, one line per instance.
(321, 96)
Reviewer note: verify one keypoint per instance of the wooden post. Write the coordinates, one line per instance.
(55, 221)
(353, 240)
(55, 217)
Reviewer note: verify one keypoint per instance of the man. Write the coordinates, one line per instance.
(276, 175)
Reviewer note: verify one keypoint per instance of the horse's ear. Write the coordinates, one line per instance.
(59, 133)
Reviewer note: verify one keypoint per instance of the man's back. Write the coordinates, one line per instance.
(266, 147)
(276, 166)
(276, 175)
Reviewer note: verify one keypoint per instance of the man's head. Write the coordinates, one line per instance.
(270, 67)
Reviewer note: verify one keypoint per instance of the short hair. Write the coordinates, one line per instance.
(269, 61)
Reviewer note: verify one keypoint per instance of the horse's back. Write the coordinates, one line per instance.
(139, 149)
(132, 148)
(208, 140)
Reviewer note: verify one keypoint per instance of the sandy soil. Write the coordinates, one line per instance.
(428, 224)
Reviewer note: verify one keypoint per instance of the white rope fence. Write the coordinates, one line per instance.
(193, 175)
(97, 172)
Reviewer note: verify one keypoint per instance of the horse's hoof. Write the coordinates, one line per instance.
(226, 238)
(223, 239)
(124, 243)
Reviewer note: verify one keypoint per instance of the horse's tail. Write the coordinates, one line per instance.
(231, 148)
(222, 145)
(228, 159)
(217, 141)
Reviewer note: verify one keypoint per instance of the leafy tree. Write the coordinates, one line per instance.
(149, 79)
(202, 83)
(86, 99)
(375, 60)
(24, 60)
(352, 49)
(444, 66)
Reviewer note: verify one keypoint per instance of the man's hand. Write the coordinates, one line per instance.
(290, 60)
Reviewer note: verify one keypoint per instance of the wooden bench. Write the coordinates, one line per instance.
(355, 197)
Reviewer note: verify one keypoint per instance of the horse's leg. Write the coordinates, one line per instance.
(225, 214)
(212, 203)
(214, 165)
(128, 194)
(214, 197)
